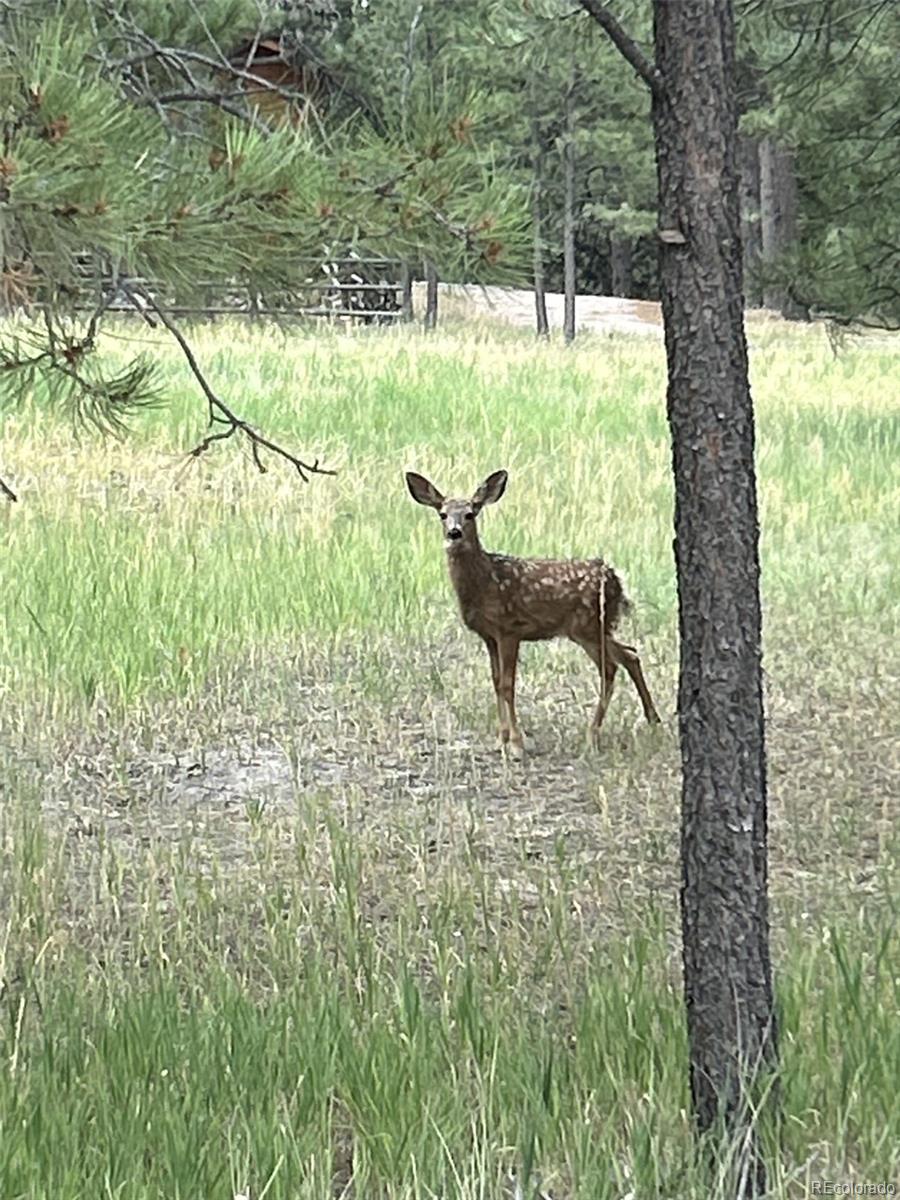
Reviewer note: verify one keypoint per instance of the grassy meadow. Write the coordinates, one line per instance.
(276, 918)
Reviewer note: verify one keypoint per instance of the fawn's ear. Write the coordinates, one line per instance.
(491, 490)
(423, 490)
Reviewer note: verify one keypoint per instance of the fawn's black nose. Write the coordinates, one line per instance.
(454, 533)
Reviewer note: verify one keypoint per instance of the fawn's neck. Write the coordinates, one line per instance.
(469, 566)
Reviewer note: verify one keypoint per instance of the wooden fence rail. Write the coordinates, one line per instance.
(370, 290)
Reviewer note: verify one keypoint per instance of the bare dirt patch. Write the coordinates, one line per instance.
(594, 314)
(406, 762)
(515, 307)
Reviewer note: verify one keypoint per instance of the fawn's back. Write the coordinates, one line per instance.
(534, 599)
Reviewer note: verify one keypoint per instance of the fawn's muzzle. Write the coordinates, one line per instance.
(454, 532)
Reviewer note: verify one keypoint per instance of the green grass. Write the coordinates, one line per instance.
(277, 920)
(289, 1027)
(127, 571)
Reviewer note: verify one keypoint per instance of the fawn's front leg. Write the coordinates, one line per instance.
(508, 648)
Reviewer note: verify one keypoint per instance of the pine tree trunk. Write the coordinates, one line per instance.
(751, 236)
(569, 217)
(542, 325)
(620, 251)
(724, 898)
(431, 296)
(778, 222)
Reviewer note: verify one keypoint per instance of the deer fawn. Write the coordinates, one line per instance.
(509, 600)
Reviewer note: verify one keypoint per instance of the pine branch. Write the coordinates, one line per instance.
(61, 357)
(176, 60)
(626, 46)
(216, 99)
(219, 412)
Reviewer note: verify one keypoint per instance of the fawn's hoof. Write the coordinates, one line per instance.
(510, 748)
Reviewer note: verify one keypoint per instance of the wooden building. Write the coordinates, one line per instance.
(292, 88)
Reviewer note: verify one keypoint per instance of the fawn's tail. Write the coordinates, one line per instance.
(612, 601)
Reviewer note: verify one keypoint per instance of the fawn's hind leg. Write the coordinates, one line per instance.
(607, 664)
(627, 657)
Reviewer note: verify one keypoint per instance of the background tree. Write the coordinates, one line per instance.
(724, 898)
(538, 202)
(569, 203)
(827, 121)
(133, 134)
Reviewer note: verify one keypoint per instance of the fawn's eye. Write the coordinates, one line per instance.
(443, 516)
(470, 516)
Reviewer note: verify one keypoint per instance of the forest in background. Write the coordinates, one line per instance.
(474, 137)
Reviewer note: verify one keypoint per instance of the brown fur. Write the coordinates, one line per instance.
(508, 600)
(534, 599)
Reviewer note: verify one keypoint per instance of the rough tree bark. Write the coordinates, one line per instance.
(725, 922)
(569, 215)
(778, 221)
(431, 296)
(542, 325)
(724, 895)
